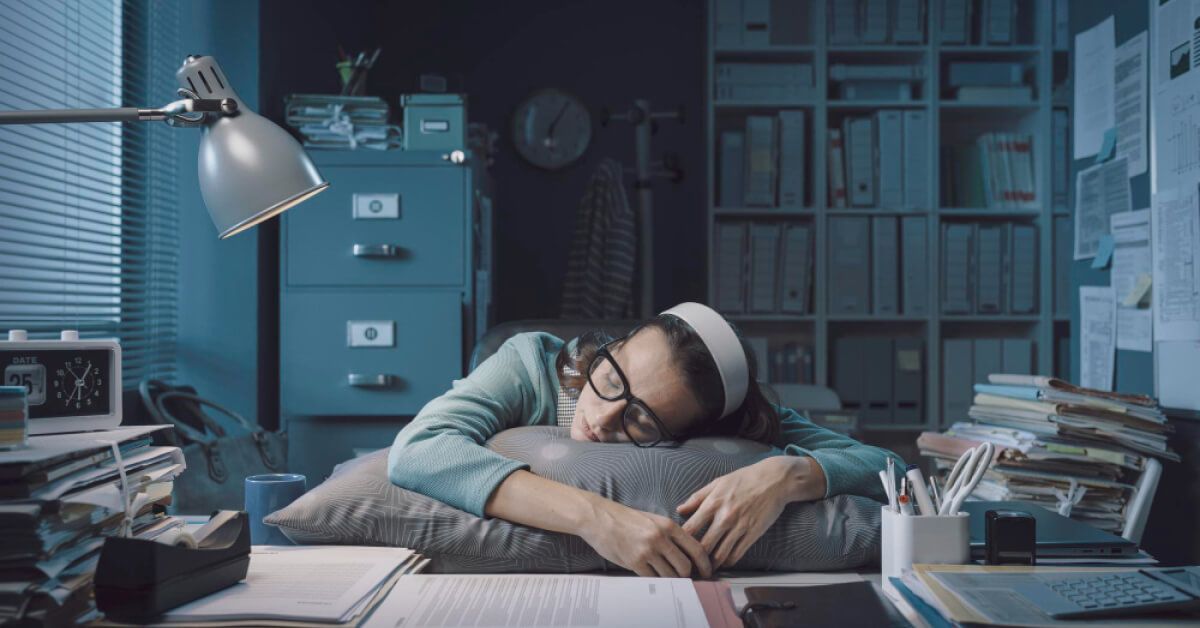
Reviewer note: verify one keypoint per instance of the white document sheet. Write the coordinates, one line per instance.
(1097, 337)
(1175, 373)
(1131, 267)
(527, 600)
(1129, 104)
(1100, 191)
(1176, 102)
(1093, 112)
(325, 583)
(1176, 245)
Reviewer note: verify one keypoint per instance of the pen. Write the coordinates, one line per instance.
(937, 499)
(891, 473)
(905, 505)
(918, 490)
(887, 490)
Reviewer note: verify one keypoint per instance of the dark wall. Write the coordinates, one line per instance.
(608, 53)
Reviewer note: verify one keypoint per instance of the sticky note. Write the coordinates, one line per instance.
(1108, 147)
(1104, 253)
(1138, 290)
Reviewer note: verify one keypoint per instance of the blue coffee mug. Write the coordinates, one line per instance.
(264, 495)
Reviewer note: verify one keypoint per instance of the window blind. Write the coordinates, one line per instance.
(88, 229)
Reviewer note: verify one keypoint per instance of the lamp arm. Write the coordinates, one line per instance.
(187, 110)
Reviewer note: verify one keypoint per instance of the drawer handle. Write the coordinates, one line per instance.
(380, 380)
(378, 250)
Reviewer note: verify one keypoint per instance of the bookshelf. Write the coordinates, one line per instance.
(822, 327)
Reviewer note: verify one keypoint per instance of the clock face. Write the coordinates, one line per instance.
(61, 383)
(551, 128)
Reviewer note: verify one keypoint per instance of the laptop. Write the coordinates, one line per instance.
(1057, 536)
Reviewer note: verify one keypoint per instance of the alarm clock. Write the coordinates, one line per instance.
(551, 128)
(72, 385)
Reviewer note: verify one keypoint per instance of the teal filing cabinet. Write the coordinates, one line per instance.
(378, 299)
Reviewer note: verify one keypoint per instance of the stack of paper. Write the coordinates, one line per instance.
(330, 585)
(342, 122)
(59, 497)
(989, 595)
(1058, 444)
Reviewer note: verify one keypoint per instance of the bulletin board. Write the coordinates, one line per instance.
(1134, 370)
(1170, 532)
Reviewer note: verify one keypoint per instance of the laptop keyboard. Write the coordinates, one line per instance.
(1114, 592)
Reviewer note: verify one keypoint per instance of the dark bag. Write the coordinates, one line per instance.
(218, 459)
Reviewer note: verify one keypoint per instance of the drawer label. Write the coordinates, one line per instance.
(370, 333)
(376, 206)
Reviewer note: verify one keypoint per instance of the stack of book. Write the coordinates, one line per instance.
(880, 160)
(1061, 446)
(996, 172)
(855, 22)
(13, 417)
(342, 122)
(764, 268)
(766, 164)
(995, 82)
(763, 82)
(59, 497)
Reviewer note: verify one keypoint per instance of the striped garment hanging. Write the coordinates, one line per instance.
(603, 256)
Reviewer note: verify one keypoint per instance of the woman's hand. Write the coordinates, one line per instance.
(738, 508)
(645, 543)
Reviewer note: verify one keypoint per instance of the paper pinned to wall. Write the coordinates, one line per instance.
(1175, 374)
(1131, 261)
(1097, 336)
(1176, 99)
(1129, 104)
(1100, 192)
(1093, 111)
(1176, 279)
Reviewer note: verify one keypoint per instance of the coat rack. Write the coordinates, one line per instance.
(645, 125)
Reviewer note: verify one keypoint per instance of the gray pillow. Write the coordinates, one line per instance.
(358, 505)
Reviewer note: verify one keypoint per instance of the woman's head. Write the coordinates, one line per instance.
(669, 369)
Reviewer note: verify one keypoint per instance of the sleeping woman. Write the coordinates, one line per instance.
(683, 373)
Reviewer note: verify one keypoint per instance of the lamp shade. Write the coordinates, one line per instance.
(250, 169)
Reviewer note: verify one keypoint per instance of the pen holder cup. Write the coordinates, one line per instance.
(909, 539)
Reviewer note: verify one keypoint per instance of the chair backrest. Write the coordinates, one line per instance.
(563, 328)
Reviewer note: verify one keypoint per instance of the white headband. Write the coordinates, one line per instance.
(723, 344)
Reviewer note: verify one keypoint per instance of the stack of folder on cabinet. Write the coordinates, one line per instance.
(1056, 441)
(342, 122)
(59, 497)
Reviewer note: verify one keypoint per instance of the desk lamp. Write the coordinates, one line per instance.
(250, 169)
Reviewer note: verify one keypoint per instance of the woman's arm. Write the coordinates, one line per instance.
(734, 510)
(849, 467)
(440, 453)
(646, 543)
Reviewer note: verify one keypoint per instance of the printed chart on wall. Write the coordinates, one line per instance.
(1175, 218)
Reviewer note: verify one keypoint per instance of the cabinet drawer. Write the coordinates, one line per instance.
(356, 353)
(398, 226)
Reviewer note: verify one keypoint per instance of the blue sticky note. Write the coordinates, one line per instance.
(1104, 253)
(1108, 148)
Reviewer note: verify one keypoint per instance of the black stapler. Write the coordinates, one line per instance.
(138, 579)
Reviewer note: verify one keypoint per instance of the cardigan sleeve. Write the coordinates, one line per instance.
(441, 452)
(851, 468)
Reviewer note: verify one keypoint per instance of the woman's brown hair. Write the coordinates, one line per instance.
(755, 419)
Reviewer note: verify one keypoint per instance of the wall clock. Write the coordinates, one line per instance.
(551, 129)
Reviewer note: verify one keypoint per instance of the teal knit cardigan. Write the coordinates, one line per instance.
(441, 453)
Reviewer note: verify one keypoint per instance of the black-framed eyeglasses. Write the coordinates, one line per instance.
(639, 422)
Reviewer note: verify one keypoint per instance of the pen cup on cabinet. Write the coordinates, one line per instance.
(909, 539)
